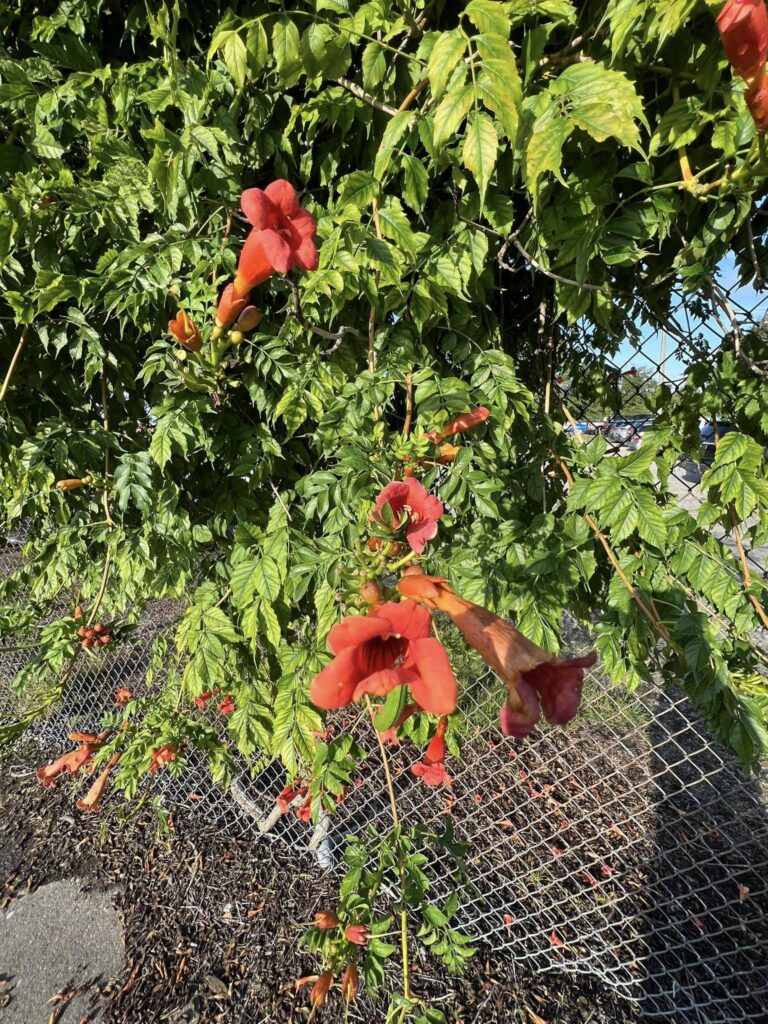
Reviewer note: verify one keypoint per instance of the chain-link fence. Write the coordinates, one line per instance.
(630, 847)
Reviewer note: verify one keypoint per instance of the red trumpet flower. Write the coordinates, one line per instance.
(411, 504)
(226, 706)
(534, 680)
(163, 755)
(203, 699)
(281, 239)
(466, 421)
(357, 933)
(389, 647)
(71, 762)
(122, 696)
(185, 332)
(92, 799)
(321, 988)
(743, 26)
(349, 983)
(431, 768)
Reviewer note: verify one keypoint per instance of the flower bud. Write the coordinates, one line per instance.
(248, 319)
(326, 919)
(69, 485)
(185, 331)
(357, 933)
(236, 337)
(230, 306)
(370, 592)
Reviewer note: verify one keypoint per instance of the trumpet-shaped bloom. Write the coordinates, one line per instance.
(349, 982)
(92, 799)
(410, 503)
(230, 306)
(226, 706)
(535, 681)
(357, 933)
(431, 769)
(185, 332)
(466, 421)
(756, 99)
(389, 647)
(282, 237)
(163, 755)
(71, 762)
(321, 988)
(122, 696)
(743, 26)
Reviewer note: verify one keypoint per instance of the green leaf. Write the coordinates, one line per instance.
(235, 56)
(358, 189)
(266, 579)
(452, 110)
(480, 149)
(415, 182)
(374, 64)
(285, 45)
(500, 90)
(392, 709)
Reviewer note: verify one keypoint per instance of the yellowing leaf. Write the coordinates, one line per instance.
(451, 112)
(602, 102)
(480, 150)
(446, 54)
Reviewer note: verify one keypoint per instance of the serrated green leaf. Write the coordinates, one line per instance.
(480, 150)
(452, 110)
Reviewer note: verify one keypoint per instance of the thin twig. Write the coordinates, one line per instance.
(359, 93)
(14, 361)
(745, 567)
(758, 278)
(335, 336)
(408, 404)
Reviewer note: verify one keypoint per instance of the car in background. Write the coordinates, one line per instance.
(707, 435)
(627, 431)
(588, 427)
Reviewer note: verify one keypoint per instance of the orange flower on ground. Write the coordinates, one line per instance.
(326, 919)
(535, 681)
(389, 647)
(321, 988)
(281, 239)
(410, 503)
(466, 421)
(163, 755)
(71, 762)
(431, 768)
(122, 696)
(185, 332)
(92, 799)
(349, 983)
(357, 933)
(230, 306)
(743, 26)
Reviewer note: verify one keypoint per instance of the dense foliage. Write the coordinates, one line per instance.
(493, 183)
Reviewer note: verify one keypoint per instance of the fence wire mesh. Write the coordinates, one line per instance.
(629, 847)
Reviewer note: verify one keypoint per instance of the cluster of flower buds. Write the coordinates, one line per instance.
(743, 26)
(225, 706)
(94, 636)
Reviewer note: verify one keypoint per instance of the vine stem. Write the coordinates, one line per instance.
(745, 568)
(401, 869)
(14, 361)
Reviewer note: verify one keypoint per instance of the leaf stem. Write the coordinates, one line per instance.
(14, 362)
